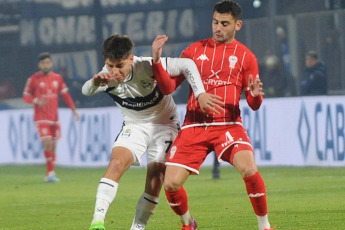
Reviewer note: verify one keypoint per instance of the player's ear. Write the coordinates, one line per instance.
(238, 25)
(131, 58)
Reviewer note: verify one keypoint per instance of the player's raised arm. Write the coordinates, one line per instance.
(254, 92)
(181, 67)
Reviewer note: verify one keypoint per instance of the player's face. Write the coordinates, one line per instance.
(45, 65)
(224, 27)
(119, 69)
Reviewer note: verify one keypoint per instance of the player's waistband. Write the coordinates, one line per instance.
(211, 124)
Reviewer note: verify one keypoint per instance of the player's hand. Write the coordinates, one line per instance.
(255, 86)
(210, 102)
(157, 47)
(40, 101)
(75, 114)
(101, 79)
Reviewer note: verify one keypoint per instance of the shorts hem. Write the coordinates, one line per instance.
(194, 171)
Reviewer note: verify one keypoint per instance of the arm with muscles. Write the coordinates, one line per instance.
(181, 67)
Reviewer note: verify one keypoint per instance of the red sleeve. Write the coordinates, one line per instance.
(253, 102)
(166, 83)
(68, 100)
(27, 93)
(251, 68)
(65, 95)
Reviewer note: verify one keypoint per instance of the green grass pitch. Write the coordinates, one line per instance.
(298, 198)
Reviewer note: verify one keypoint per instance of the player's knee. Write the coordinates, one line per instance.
(171, 185)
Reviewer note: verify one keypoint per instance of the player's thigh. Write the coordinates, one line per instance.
(135, 138)
(161, 139)
(228, 140)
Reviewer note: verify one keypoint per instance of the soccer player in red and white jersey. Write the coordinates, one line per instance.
(227, 68)
(42, 89)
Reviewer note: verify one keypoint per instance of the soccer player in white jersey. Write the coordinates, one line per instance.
(227, 68)
(150, 121)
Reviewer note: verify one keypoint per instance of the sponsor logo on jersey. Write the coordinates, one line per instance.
(126, 132)
(203, 57)
(55, 84)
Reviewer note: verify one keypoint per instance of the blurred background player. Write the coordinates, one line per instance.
(150, 122)
(227, 68)
(42, 89)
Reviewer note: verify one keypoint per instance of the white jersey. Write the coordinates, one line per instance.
(139, 97)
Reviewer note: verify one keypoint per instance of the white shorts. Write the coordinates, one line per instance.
(151, 138)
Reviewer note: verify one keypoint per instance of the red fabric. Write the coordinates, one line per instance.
(178, 201)
(166, 83)
(47, 87)
(257, 193)
(213, 138)
(50, 161)
(254, 102)
(225, 71)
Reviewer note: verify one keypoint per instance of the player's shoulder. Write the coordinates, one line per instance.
(142, 64)
(200, 43)
(243, 47)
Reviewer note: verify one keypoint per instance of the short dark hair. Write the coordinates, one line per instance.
(231, 7)
(43, 56)
(312, 54)
(117, 47)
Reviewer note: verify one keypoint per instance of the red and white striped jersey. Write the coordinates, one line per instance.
(224, 70)
(47, 87)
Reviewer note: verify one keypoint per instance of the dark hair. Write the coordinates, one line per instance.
(43, 56)
(117, 47)
(231, 7)
(312, 54)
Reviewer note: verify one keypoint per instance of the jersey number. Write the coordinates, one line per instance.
(169, 143)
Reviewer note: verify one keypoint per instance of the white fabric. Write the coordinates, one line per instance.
(155, 139)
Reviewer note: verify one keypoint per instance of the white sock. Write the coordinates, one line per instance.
(145, 208)
(186, 218)
(106, 193)
(263, 222)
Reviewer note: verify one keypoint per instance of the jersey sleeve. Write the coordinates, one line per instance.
(65, 94)
(165, 82)
(181, 67)
(252, 69)
(28, 96)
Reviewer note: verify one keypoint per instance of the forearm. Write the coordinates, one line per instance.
(68, 100)
(89, 89)
(165, 83)
(254, 102)
(187, 67)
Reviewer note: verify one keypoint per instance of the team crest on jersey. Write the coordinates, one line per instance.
(126, 132)
(232, 61)
(202, 57)
(145, 84)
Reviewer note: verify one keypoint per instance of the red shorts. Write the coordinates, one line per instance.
(192, 145)
(46, 130)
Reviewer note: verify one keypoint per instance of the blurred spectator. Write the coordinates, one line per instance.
(314, 81)
(283, 49)
(7, 89)
(277, 81)
(332, 57)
